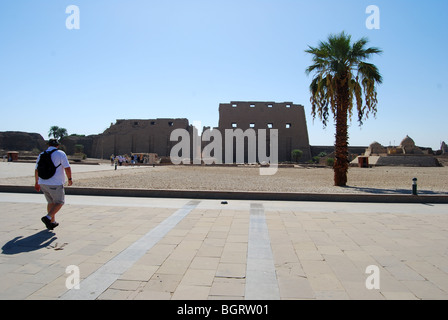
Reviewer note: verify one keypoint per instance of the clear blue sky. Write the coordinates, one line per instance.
(143, 59)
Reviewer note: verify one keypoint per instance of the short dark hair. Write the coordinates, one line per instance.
(53, 142)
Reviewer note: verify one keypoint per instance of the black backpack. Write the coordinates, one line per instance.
(45, 167)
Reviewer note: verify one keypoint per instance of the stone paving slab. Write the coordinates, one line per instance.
(307, 250)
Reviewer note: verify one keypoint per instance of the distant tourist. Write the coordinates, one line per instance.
(49, 178)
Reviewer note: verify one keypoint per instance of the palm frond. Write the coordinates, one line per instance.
(338, 62)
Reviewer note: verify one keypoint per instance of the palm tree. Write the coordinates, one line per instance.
(57, 132)
(341, 76)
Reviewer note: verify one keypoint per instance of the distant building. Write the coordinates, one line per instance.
(128, 136)
(288, 118)
(138, 136)
(21, 141)
(444, 148)
(406, 154)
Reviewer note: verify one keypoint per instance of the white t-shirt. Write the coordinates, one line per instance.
(58, 157)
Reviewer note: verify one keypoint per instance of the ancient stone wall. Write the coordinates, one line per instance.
(137, 136)
(127, 136)
(21, 141)
(70, 143)
(408, 161)
(287, 118)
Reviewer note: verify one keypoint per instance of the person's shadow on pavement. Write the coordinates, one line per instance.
(37, 241)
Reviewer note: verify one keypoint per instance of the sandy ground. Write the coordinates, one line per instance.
(386, 180)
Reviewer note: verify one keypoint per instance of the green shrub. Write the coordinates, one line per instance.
(296, 154)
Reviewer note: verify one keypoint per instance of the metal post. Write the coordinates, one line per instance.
(414, 186)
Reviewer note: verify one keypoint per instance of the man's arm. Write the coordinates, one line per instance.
(36, 179)
(68, 172)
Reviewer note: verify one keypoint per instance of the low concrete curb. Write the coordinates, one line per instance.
(237, 195)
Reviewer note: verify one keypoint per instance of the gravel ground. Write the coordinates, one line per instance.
(386, 180)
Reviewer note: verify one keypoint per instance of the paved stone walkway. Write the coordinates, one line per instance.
(140, 248)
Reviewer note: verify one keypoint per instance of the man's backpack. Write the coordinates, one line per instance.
(45, 167)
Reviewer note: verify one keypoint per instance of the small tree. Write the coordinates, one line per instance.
(79, 151)
(57, 132)
(341, 78)
(322, 154)
(296, 154)
(330, 162)
(79, 148)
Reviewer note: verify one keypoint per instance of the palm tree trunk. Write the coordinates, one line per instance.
(341, 146)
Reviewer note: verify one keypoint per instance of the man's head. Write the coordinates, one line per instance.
(53, 143)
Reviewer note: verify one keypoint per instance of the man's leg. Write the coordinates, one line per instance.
(55, 196)
(52, 209)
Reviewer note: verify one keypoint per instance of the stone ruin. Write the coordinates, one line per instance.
(288, 118)
(153, 135)
(406, 154)
(375, 149)
(21, 141)
(444, 148)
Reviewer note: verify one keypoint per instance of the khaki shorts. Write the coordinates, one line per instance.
(53, 194)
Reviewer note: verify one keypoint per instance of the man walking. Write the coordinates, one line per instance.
(52, 185)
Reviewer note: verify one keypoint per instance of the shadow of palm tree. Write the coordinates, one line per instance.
(395, 191)
(34, 242)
